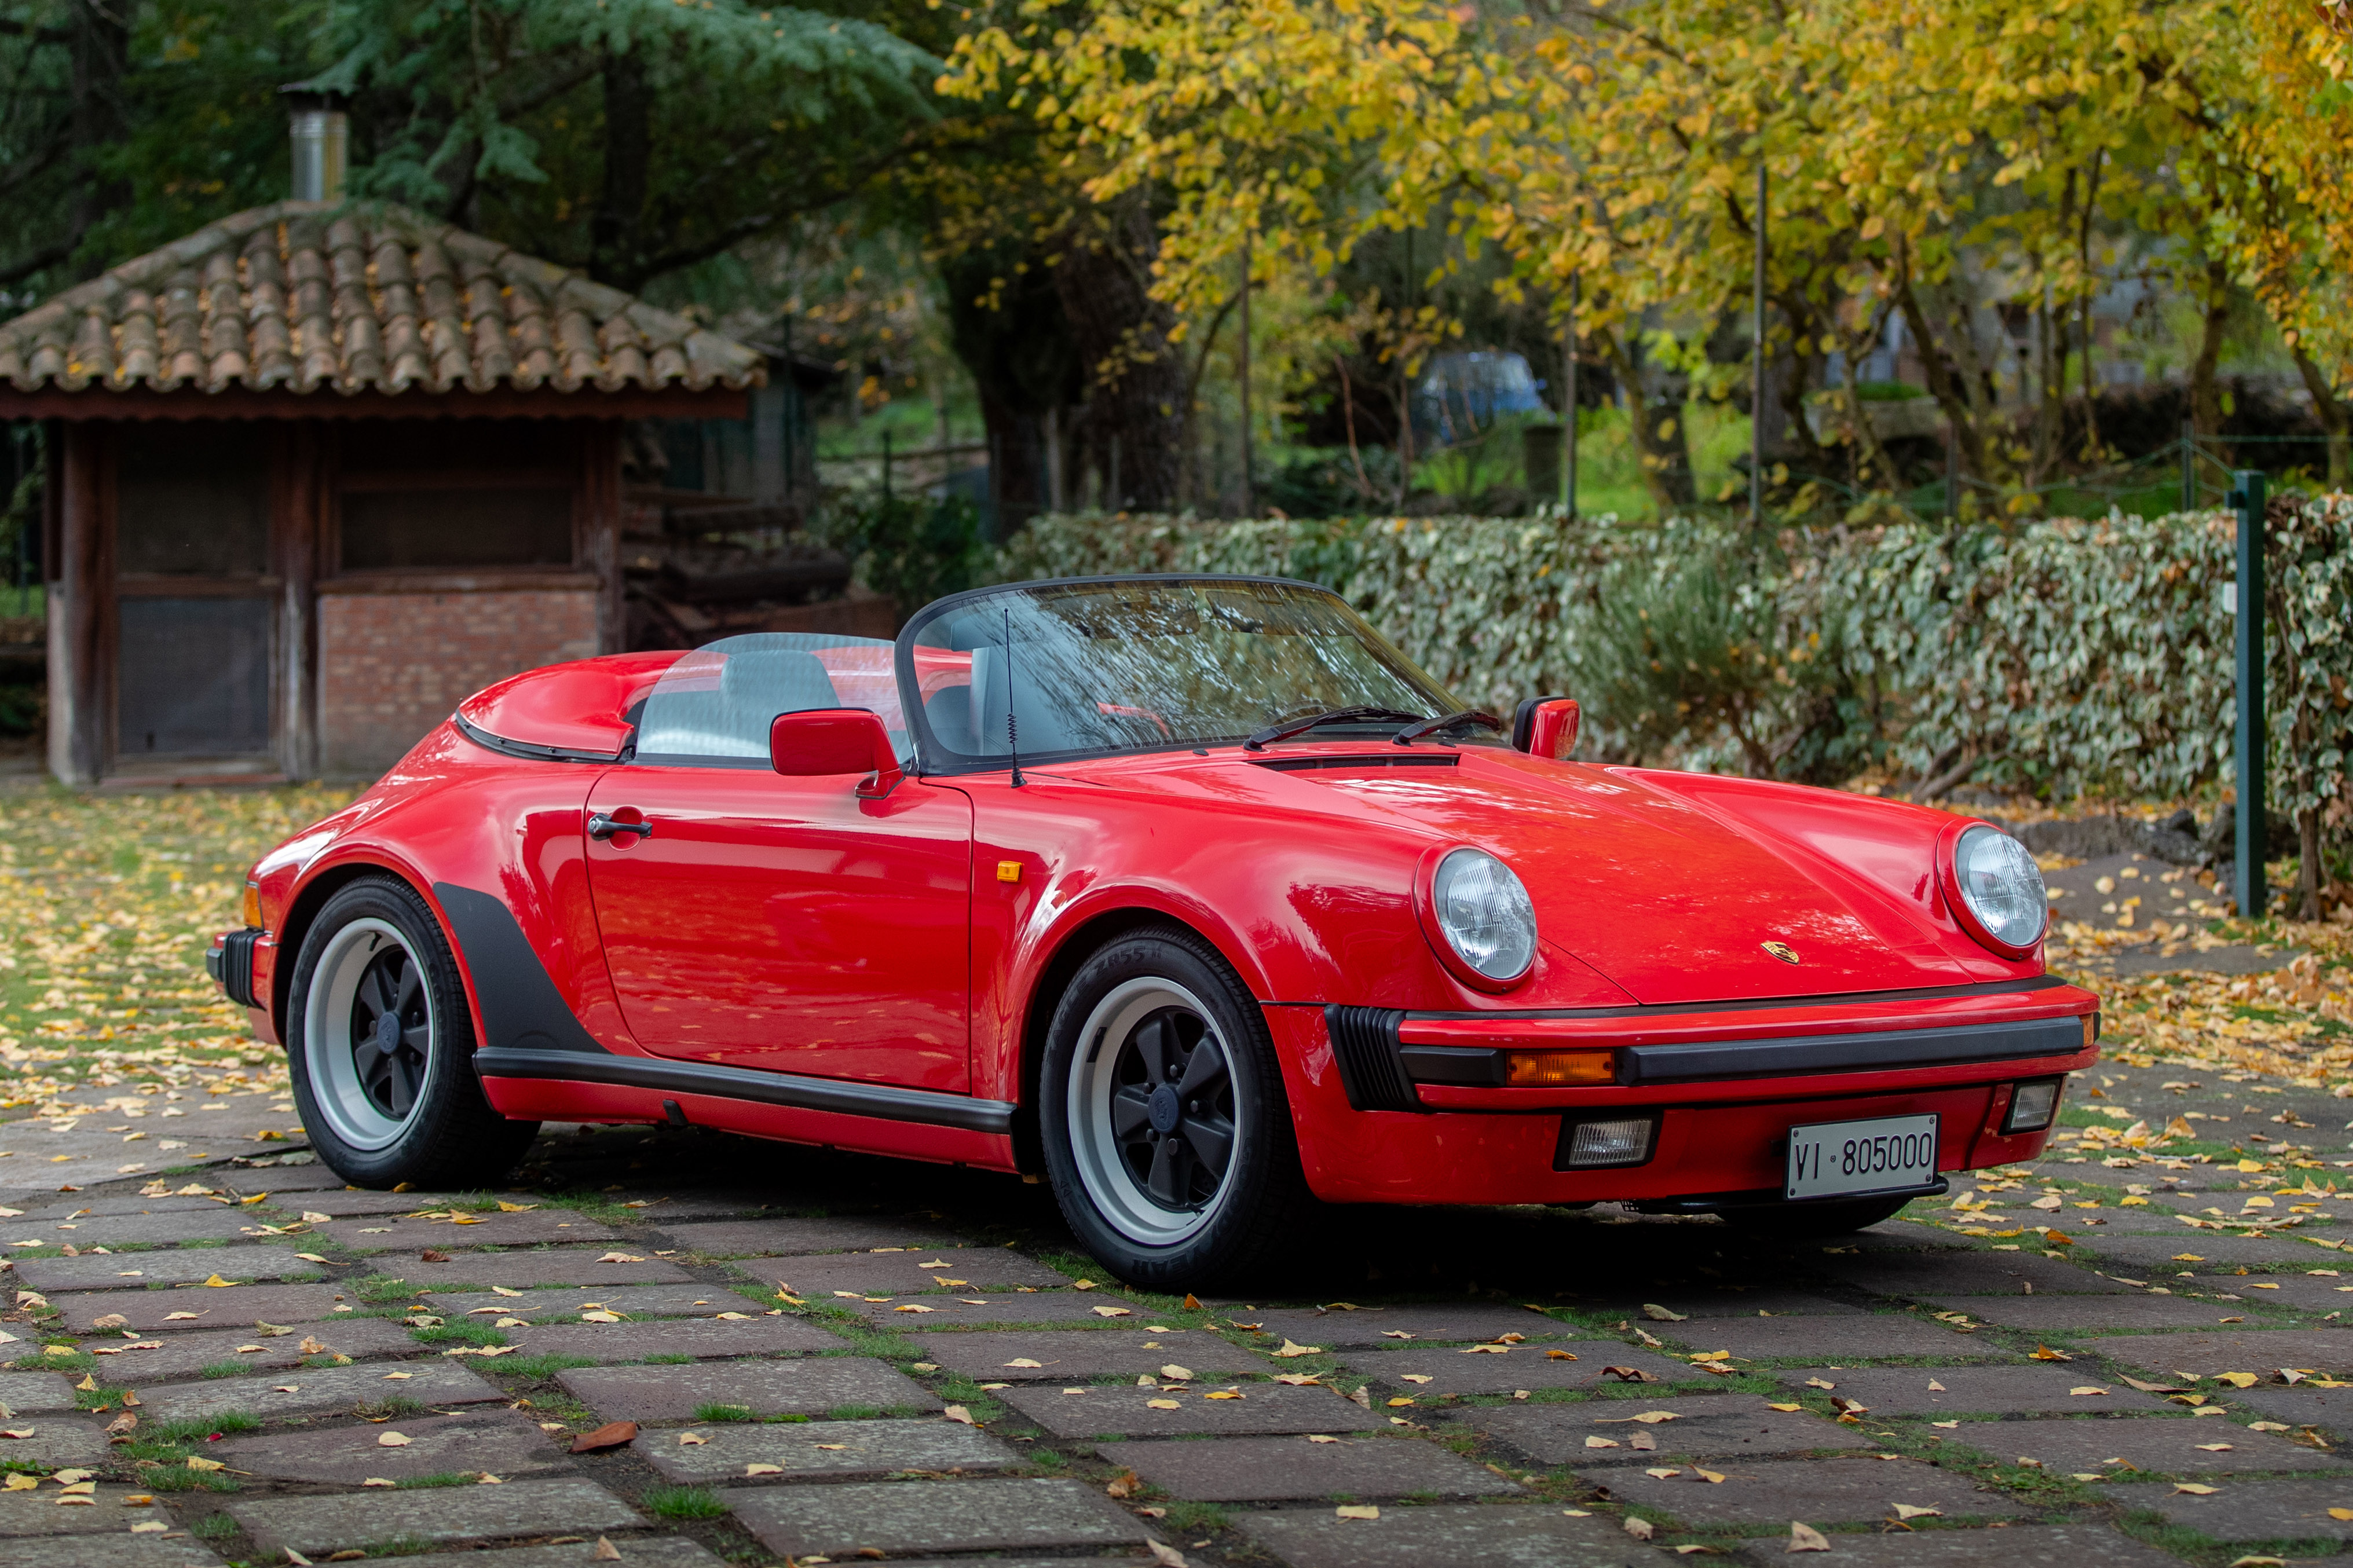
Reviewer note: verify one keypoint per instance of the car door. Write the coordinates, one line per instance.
(781, 923)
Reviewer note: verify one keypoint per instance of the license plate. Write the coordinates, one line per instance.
(1891, 1155)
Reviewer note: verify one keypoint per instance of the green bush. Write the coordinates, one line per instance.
(2070, 656)
(910, 549)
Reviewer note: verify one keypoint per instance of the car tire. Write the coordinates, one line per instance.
(1814, 1219)
(387, 1103)
(1167, 1133)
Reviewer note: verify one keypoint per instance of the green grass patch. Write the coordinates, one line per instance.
(722, 1413)
(666, 1360)
(196, 1428)
(681, 1503)
(854, 1413)
(794, 1418)
(225, 1369)
(1190, 1517)
(97, 1398)
(393, 1406)
(459, 1334)
(214, 1527)
(538, 1368)
(381, 1290)
(442, 1479)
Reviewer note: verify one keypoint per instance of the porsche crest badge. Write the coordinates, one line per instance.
(1782, 951)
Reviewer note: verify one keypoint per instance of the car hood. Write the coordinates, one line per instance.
(1673, 885)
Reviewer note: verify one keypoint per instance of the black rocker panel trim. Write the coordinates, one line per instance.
(521, 1007)
(1849, 1053)
(875, 1099)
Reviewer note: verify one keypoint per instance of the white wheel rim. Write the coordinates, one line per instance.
(368, 1081)
(1177, 1144)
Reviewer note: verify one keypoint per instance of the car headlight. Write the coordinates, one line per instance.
(2000, 889)
(1484, 913)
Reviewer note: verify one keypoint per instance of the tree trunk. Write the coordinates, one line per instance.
(616, 247)
(1662, 442)
(1946, 384)
(1136, 378)
(2205, 394)
(2336, 416)
(100, 52)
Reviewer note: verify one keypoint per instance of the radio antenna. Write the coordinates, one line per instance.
(1012, 733)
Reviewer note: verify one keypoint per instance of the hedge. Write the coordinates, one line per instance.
(2076, 657)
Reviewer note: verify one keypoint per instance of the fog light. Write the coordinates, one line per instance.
(2032, 1106)
(1590, 1145)
(1550, 1069)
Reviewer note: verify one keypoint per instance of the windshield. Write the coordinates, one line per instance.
(1145, 664)
(714, 707)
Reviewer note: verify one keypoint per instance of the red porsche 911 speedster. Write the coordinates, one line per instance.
(1191, 894)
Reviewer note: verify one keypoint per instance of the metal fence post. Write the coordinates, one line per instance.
(2247, 498)
(2189, 466)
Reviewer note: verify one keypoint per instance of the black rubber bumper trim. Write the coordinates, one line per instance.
(1873, 1052)
(231, 964)
(879, 1100)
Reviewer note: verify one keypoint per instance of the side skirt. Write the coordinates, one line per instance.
(562, 1086)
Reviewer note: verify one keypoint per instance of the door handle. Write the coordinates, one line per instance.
(601, 827)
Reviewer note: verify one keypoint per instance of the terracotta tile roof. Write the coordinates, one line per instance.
(302, 297)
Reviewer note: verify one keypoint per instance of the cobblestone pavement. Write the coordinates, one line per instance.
(669, 1347)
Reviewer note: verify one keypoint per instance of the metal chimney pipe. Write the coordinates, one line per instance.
(321, 134)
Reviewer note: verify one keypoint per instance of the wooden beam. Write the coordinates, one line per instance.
(236, 402)
(600, 531)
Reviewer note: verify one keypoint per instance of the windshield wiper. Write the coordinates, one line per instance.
(1300, 726)
(1445, 722)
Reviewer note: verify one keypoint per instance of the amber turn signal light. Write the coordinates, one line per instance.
(1552, 1069)
(252, 910)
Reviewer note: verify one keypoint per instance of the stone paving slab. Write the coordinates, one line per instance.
(2129, 1313)
(2294, 1292)
(2156, 1252)
(1870, 1337)
(528, 1270)
(399, 1233)
(1972, 1274)
(59, 1440)
(429, 1383)
(344, 1204)
(110, 1552)
(502, 1442)
(1891, 1391)
(826, 1448)
(1819, 1492)
(807, 1387)
(1523, 1366)
(137, 1271)
(970, 1269)
(894, 1518)
(944, 1310)
(1068, 1356)
(701, 1337)
(2249, 1510)
(2019, 1546)
(2160, 1444)
(177, 1356)
(319, 1525)
(1372, 1328)
(149, 1311)
(1110, 1411)
(78, 1204)
(1766, 1302)
(136, 1229)
(2257, 1351)
(1718, 1428)
(34, 1514)
(638, 1551)
(1447, 1534)
(1896, 1235)
(787, 1238)
(565, 1304)
(1279, 1469)
(34, 1393)
(2302, 1405)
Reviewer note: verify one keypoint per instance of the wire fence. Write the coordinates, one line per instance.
(2188, 474)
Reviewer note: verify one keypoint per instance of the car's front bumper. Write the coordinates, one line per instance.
(1725, 1084)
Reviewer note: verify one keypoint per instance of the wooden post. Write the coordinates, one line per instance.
(298, 495)
(600, 529)
(2247, 497)
(1250, 494)
(77, 587)
(1568, 412)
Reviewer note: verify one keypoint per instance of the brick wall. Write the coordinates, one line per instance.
(392, 666)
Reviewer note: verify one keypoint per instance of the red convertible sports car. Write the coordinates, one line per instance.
(1189, 894)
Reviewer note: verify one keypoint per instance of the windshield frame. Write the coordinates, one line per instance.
(936, 759)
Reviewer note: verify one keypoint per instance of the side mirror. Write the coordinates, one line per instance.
(823, 741)
(1546, 727)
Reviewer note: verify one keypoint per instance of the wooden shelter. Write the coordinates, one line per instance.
(318, 471)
